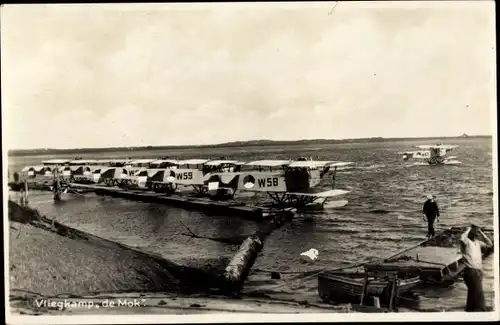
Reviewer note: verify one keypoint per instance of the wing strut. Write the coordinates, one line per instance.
(333, 177)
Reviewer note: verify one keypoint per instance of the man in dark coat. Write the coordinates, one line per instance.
(431, 214)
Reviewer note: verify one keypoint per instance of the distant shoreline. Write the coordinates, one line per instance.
(250, 143)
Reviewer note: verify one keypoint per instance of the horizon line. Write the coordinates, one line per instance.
(243, 142)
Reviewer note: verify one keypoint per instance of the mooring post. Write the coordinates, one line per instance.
(24, 193)
(333, 177)
(364, 292)
(393, 292)
(57, 193)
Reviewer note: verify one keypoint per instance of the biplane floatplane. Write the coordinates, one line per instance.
(192, 173)
(288, 183)
(87, 171)
(432, 154)
(46, 169)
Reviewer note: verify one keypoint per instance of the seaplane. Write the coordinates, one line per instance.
(195, 172)
(31, 172)
(86, 171)
(288, 183)
(159, 175)
(135, 173)
(112, 173)
(432, 154)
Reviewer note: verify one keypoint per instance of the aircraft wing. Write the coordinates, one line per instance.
(221, 162)
(193, 161)
(329, 193)
(441, 146)
(269, 163)
(169, 161)
(309, 164)
(340, 163)
(318, 164)
(80, 162)
(142, 161)
(120, 161)
(425, 146)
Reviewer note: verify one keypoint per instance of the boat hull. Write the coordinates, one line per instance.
(339, 287)
(436, 261)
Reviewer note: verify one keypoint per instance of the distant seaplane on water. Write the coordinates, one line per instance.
(431, 154)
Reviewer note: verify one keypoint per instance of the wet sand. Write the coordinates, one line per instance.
(159, 303)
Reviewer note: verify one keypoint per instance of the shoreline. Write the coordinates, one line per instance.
(62, 265)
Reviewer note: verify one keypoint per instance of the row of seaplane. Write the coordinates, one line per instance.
(287, 182)
(431, 154)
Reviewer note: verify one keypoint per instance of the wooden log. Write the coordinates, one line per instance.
(240, 265)
(57, 185)
(25, 193)
(238, 268)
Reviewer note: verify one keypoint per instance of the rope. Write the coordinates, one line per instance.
(313, 272)
(408, 258)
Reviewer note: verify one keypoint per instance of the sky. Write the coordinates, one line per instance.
(92, 75)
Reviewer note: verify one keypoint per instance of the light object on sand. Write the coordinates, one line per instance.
(312, 254)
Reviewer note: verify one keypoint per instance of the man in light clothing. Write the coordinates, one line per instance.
(471, 247)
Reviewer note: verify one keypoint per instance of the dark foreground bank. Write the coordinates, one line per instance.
(54, 268)
(49, 258)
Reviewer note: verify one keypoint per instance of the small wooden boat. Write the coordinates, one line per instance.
(436, 261)
(343, 286)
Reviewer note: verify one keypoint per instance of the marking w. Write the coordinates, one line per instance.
(268, 182)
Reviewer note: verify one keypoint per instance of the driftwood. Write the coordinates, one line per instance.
(233, 240)
(240, 265)
(238, 269)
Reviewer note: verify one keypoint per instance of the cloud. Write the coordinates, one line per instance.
(83, 76)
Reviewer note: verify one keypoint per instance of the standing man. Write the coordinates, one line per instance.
(431, 214)
(471, 246)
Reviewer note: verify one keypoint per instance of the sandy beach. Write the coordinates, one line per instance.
(51, 273)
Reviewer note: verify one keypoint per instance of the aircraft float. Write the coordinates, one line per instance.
(432, 154)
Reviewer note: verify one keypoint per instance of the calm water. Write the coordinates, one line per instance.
(382, 217)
